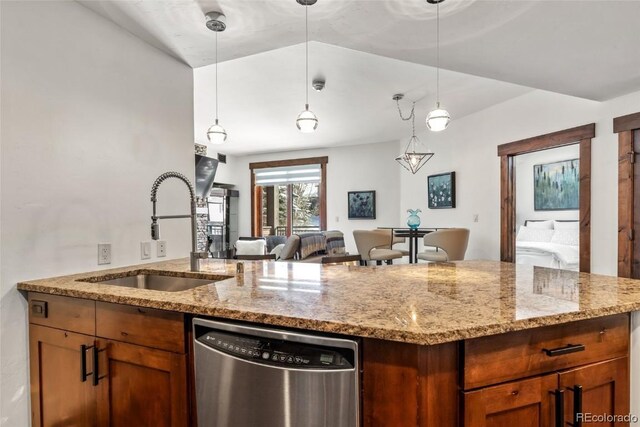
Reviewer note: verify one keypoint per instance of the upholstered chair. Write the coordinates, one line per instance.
(451, 244)
(374, 245)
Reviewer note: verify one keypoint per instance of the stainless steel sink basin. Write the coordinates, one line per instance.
(157, 282)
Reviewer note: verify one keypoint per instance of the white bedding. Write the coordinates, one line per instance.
(546, 254)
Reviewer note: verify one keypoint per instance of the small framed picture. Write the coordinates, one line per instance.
(441, 190)
(362, 204)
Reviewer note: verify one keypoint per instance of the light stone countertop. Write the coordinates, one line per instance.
(422, 304)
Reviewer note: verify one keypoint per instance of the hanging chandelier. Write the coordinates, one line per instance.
(415, 155)
(307, 122)
(438, 119)
(216, 22)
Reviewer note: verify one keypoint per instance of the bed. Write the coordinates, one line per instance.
(549, 243)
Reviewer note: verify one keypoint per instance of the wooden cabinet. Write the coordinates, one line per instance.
(556, 399)
(600, 388)
(571, 369)
(82, 376)
(141, 386)
(525, 403)
(59, 395)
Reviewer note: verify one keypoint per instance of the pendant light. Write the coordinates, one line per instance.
(438, 119)
(307, 122)
(415, 155)
(216, 22)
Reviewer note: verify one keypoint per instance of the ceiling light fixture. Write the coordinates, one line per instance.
(438, 119)
(216, 22)
(307, 122)
(415, 155)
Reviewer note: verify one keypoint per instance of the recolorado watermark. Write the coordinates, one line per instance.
(588, 417)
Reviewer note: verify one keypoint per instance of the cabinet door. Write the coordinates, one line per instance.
(60, 396)
(526, 403)
(141, 386)
(602, 388)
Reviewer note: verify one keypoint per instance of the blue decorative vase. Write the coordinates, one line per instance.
(414, 220)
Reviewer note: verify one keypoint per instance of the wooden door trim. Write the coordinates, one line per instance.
(626, 123)
(549, 140)
(581, 135)
(628, 130)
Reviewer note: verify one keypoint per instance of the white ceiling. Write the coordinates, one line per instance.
(584, 48)
(261, 96)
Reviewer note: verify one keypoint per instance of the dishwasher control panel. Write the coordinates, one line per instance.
(277, 352)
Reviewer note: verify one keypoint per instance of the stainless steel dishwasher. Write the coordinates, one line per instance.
(248, 376)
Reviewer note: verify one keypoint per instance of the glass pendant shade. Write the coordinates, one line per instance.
(414, 156)
(438, 119)
(216, 134)
(307, 122)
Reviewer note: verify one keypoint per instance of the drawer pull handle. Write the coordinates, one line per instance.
(569, 348)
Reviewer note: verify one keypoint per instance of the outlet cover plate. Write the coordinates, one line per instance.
(162, 248)
(104, 253)
(145, 250)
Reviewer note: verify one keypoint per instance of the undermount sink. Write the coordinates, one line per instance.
(156, 282)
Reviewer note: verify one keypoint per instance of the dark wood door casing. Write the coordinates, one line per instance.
(581, 135)
(628, 130)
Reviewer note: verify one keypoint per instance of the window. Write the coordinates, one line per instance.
(288, 196)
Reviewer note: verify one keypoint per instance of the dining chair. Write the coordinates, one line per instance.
(451, 245)
(375, 245)
(399, 240)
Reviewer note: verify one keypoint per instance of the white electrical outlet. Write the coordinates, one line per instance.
(145, 250)
(104, 253)
(162, 248)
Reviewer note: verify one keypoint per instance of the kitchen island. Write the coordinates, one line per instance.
(466, 343)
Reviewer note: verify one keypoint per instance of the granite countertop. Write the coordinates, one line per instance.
(423, 303)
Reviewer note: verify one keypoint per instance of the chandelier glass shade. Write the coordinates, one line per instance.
(216, 134)
(307, 122)
(438, 119)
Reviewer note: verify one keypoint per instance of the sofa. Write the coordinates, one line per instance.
(311, 247)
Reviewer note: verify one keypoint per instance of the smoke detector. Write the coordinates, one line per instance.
(216, 21)
(318, 84)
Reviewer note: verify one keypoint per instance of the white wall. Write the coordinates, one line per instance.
(524, 183)
(358, 167)
(90, 117)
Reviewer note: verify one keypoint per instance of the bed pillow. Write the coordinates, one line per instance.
(545, 225)
(250, 247)
(572, 225)
(566, 237)
(528, 234)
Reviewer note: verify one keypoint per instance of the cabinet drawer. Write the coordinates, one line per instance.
(55, 311)
(500, 358)
(144, 326)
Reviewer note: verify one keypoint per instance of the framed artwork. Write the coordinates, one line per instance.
(362, 204)
(441, 190)
(556, 186)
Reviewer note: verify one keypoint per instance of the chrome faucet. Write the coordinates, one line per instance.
(155, 227)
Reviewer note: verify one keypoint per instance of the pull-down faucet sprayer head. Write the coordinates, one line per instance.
(155, 230)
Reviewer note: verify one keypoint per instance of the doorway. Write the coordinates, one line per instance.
(509, 221)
